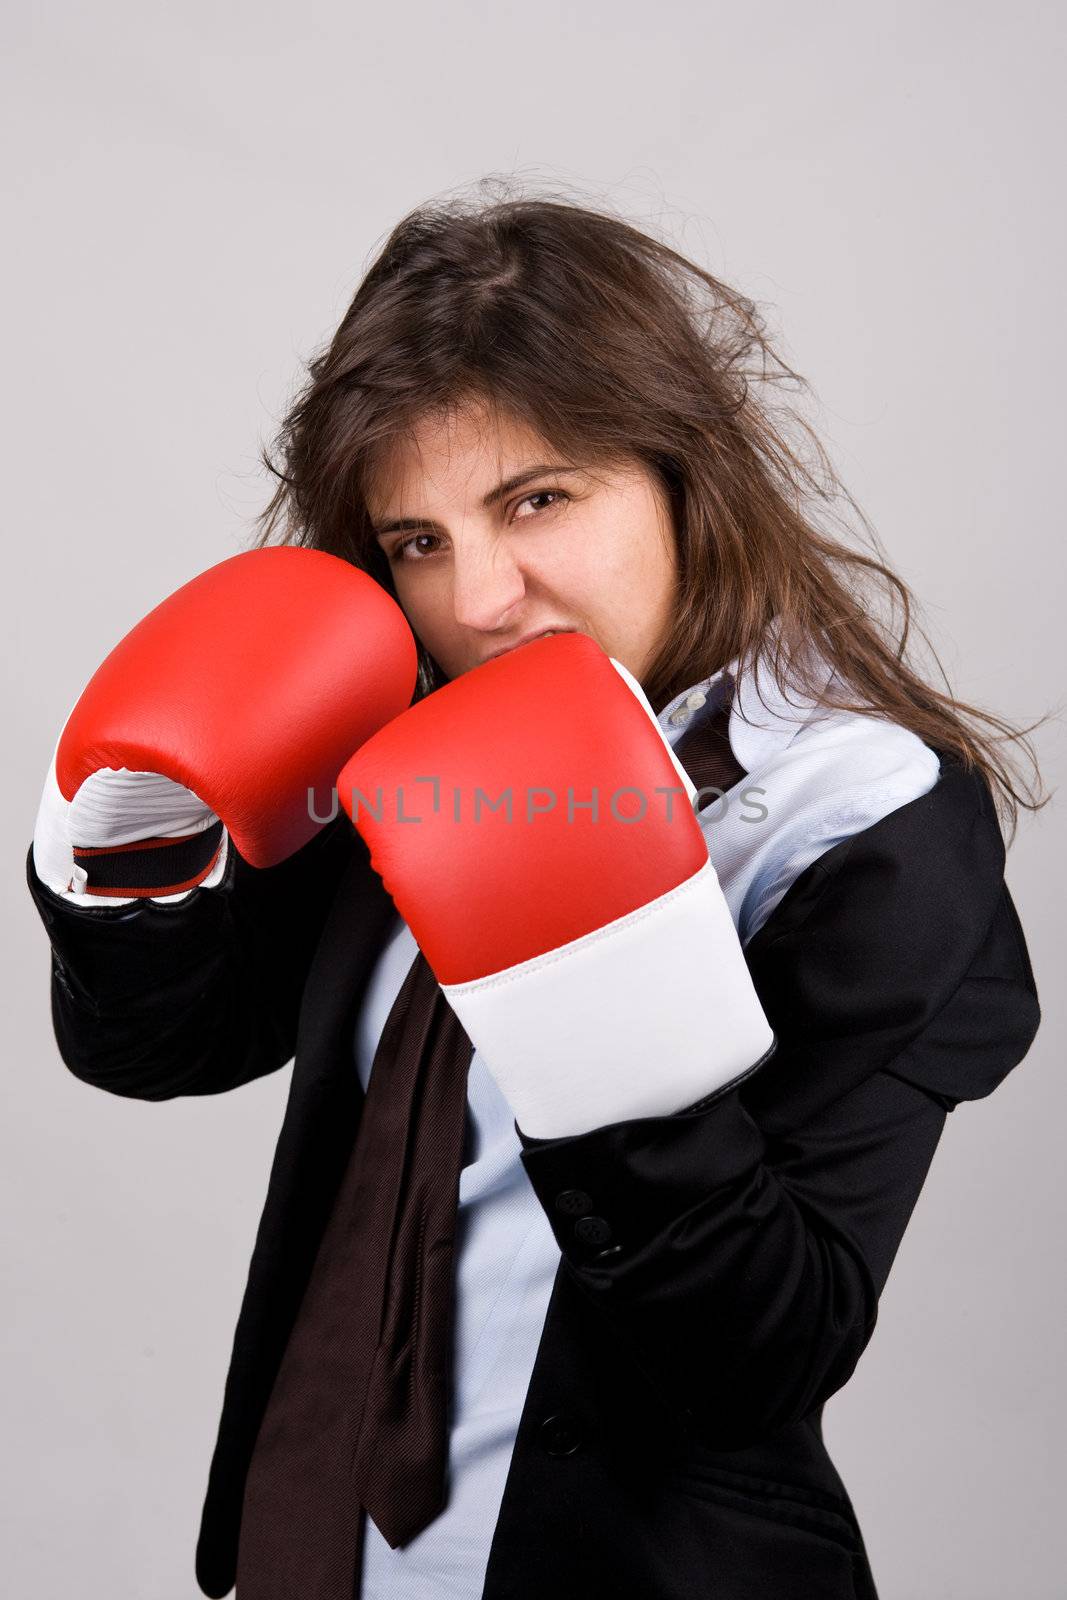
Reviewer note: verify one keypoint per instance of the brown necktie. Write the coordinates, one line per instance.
(359, 1413)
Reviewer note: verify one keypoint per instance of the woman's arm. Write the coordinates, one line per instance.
(192, 752)
(196, 996)
(742, 1273)
(739, 1248)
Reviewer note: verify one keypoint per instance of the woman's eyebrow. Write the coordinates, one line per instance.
(499, 492)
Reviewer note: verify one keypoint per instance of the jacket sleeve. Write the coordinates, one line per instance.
(738, 1248)
(195, 996)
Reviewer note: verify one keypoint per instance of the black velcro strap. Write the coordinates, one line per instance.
(151, 866)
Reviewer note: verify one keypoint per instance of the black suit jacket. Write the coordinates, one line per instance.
(670, 1444)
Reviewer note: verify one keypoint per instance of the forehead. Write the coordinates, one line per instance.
(451, 452)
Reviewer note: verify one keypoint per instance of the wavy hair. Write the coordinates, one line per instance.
(607, 342)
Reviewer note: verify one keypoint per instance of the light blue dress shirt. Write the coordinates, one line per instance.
(813, 779)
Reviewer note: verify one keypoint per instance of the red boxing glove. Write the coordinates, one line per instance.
(536, 833)
(241, 692)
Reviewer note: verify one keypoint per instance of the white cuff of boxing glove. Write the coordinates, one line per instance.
(114, 806)
(640, 1018)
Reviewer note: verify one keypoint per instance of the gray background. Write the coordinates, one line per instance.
(191, 197)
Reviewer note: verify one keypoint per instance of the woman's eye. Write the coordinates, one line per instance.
(542, 494)
(405, 550)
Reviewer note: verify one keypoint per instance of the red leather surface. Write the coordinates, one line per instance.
(482, 895)
(249, 684)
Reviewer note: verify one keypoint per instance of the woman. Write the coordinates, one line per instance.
(532, 420)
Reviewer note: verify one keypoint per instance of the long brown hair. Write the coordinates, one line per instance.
(608, 342)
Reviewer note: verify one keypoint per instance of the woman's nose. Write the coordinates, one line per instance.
(486, 583)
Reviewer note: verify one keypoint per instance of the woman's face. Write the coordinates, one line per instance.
(502, 540)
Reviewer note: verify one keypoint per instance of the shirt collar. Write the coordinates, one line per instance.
(764, 719)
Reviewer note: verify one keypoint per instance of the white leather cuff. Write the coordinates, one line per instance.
(641, 1018)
